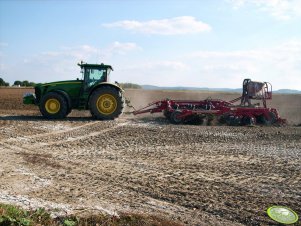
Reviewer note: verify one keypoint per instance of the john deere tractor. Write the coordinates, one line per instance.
(57, 99)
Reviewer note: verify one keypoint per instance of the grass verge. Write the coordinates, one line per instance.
(12, 215)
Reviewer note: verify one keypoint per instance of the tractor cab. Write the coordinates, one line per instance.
(94, 74)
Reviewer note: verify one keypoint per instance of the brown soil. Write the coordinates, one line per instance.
(197, 175)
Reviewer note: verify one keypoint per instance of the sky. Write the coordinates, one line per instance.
(197, 43)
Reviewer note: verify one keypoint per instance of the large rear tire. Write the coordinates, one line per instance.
(53, 106)
(106, 103)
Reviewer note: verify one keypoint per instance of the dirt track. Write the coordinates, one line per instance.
(199, 175)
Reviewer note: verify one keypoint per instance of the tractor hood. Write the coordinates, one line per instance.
(66, 82)
(69, 87)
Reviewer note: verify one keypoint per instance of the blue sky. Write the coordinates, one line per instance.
(208, 43)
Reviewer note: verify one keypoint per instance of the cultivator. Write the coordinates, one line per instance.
(225, 112)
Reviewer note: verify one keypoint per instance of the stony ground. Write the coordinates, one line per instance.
(198, 175)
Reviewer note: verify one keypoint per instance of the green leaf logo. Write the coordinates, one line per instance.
(282, 214)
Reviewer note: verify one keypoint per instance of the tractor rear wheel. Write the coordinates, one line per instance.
(106, 103)
(53, 106)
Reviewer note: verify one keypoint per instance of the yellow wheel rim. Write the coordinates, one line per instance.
(106, 104)
(52, 106)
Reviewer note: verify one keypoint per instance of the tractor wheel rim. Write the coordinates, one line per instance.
(106, 104)
(52, 106)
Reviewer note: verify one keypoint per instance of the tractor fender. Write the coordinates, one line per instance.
(66, 96)
(115, 86)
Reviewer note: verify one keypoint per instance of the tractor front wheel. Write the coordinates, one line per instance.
(53, 106)
(106, 103)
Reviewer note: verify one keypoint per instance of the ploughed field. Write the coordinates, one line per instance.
(197, 175)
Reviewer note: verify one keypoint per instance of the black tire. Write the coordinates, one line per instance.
(272, 119)
(195, 120)
(69, 111)
(53, 106)
(166, 114)
(106, 103)
(267, 121)
(174, 117)
(223, 119)
(249, 121)
(233, 121)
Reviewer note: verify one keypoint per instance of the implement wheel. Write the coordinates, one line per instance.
(166, 114)
(53, 106)
(272, 119)
(248, 121)
(106, 103)
(174, 117)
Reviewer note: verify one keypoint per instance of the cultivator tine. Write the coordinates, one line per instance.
(129, 104)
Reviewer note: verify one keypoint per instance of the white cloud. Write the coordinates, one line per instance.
(3, 44)
(280, 9)
(86, 52)
(280, 65)
(122, 48)
(159, 65)
(78, 52)
(165, 72)
(61, 64)
(171, 26)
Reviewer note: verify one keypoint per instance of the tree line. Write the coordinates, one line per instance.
(3, 83)
(130, 86)
(24, 83)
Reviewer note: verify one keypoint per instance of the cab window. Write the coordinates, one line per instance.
(93, 76)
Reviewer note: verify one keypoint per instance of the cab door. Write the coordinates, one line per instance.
(93, 76)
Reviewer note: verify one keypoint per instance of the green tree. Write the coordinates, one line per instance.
(25, 83)
(3, 83)
(31, 84)
(17, 83)
(130, 86)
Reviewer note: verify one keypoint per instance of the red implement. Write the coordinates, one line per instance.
(181, 111)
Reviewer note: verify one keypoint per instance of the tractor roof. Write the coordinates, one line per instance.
(83, 65)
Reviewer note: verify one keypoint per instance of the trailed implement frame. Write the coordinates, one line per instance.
(244, 113)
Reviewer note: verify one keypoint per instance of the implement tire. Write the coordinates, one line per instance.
(53, 106)
(106, 103)
(174, 117)
(249, 121)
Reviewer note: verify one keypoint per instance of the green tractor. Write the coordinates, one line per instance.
(57, 99)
